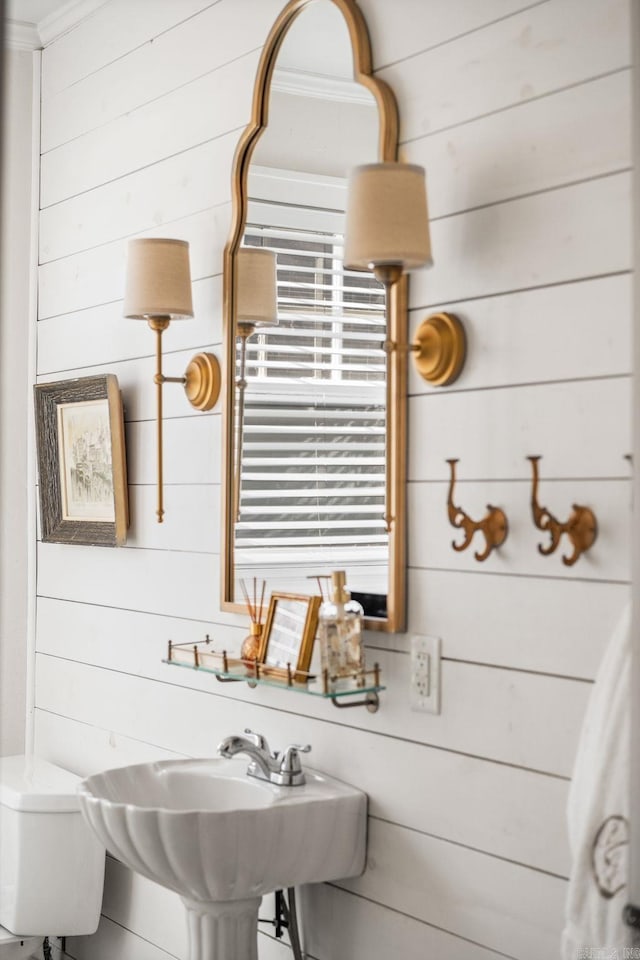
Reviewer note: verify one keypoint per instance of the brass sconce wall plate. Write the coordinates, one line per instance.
(440, 349)
(494, 526)
(581, 527)
(202, 381)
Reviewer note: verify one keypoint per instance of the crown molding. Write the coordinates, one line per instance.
(21, 36)
(321, 87)
(64, 19)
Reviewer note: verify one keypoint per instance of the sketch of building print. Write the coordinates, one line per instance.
(91, 467)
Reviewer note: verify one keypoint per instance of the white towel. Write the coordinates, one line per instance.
(598, 813)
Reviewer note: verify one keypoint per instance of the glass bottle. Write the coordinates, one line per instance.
(251, 644)
(340, 636)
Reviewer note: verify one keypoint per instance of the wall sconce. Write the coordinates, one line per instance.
(387, 232)
(257, 306)
(158, 290)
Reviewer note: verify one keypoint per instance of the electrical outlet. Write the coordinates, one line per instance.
(425, 674)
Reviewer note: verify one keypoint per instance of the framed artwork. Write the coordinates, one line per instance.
(81, 461)
(289, 632)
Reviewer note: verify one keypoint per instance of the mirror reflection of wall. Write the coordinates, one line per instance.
(312, 432)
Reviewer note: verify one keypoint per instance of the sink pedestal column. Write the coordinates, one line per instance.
(226, 930)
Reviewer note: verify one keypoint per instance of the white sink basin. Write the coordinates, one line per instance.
(214, 835)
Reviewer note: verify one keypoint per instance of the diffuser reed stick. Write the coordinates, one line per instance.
(251, 643)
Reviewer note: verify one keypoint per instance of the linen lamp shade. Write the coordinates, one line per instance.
(257, 291)
(387, 219)
(158, 280)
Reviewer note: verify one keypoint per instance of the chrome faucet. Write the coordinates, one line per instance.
(285, 770)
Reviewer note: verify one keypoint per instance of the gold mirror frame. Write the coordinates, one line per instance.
(397, 312)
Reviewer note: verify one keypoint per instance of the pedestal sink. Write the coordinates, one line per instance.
(221, 839)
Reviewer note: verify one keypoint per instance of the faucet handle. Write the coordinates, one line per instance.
(258, 740)
(290, 763)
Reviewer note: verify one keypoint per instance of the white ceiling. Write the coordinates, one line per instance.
(33, 11)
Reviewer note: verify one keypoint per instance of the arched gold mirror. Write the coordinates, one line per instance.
(314, 421)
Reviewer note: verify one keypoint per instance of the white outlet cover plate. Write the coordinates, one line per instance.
(424, 691)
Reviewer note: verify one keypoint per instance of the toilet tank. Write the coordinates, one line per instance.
(51, 863)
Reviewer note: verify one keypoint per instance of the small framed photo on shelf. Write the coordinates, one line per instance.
(81, 461)
(289, 632)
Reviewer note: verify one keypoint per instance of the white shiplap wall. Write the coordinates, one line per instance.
(520, 112)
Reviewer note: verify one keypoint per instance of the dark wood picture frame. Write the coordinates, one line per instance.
(52, 401)
(289, 644)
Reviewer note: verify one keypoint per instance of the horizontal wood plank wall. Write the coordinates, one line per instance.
(520, 112)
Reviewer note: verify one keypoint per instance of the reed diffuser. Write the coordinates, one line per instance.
(251, 644)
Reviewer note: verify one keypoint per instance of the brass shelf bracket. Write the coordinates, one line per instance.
(581, 527)
(493, 526)
(371, 700)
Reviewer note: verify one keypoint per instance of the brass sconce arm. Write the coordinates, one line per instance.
(243, 332)
(494, 526)
(201, 383)
(581, 527)
(388, 275)
(439, 352)
(159, 325)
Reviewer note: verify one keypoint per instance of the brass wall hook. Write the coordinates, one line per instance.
(581, 527)
(493, 526)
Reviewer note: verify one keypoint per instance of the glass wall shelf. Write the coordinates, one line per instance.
(365, 686)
